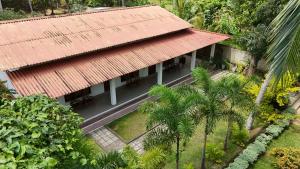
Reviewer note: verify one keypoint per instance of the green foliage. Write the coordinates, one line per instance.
(238, 163)
(4, 92)
(286, 157)
(38, 132)
(151, 159)
(9, 14)
(214, 153)
(111, 160)
(258, 147)
(275, 99)
(240, 136)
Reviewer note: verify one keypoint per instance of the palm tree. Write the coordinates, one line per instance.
(206, 104)
(170, 112)
(1, 8)
(283, 51)
(236, 98)
(30, 6)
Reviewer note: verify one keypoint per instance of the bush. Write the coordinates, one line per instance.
(38, 132)
(258, 147)
(287, 157)
(238, 163)
(9, 14)
(214, 153)
(274, 130)
(239, 136)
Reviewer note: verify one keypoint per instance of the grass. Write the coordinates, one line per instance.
(192, 151)
(130, 126)
(290, 138)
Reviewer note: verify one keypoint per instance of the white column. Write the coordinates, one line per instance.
(212, 52)
(159, 70)
(193, 60)
(113, 96)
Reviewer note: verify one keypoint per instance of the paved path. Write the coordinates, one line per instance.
(109, 141)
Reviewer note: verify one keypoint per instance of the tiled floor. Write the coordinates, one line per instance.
(107, 140)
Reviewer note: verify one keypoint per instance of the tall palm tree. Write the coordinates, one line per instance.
(236, 99)
(1, 8)
(170, 112)
(283, 51)
(30, 6)
(206, 105)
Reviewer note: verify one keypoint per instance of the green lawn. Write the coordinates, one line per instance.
(290, 138)
(192, 151)
(130, 126)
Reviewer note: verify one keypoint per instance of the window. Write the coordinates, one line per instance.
(78, 94)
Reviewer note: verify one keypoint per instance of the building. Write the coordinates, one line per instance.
(96, 61)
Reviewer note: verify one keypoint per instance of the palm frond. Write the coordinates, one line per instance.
(283, 53)
(202, 77)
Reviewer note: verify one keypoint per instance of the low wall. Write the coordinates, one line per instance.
(237, 56)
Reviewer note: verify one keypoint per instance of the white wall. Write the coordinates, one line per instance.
(235, 55)
(119, 83)
(4, 77)
(97, 89)
(143, 72)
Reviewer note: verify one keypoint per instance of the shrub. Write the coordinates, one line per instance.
(250, 155)
(263, 138)
(9, 14)
(274, 130)
(214, 153)
(238, 163)
(38, 132)
(239, 136)
(287, 157)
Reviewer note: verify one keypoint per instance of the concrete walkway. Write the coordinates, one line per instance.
(109, 141)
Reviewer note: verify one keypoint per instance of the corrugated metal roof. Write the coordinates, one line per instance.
(70, 75)
(33, 41)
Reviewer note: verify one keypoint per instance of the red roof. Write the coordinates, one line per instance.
(38, 40)
(70, 75)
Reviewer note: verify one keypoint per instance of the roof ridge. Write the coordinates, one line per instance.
(71, 14)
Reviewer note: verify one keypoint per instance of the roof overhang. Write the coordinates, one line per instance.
(66, 76)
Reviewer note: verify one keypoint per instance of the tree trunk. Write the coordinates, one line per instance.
(177, 152)
(252, 66)
(1, 8)
(203, 165)
(259, 98)
(228, 133)
(123, 3)
(52, 8)
(30, 6)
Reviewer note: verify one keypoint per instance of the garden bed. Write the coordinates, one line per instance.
(289, 139)
(130, 126)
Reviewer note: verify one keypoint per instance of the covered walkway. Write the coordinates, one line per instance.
(102, 103)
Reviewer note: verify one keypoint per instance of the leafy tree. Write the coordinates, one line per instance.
(38, 132)
(207, 104)
(283, 51)
(236, 99)
(170, 111)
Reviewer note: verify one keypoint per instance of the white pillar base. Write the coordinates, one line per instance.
(159, 70)
(113, 95)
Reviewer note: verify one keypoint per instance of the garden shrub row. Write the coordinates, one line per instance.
(258, 147)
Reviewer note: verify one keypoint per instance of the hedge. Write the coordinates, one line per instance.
(259, 146)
